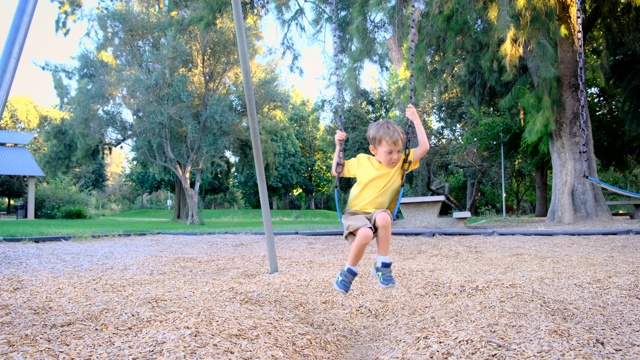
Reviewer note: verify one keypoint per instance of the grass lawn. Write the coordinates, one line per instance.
(142, 221)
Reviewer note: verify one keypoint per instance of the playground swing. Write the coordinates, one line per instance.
(337, 59)
(582, 94)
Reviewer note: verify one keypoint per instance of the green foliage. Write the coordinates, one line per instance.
(13, 187)
(68, 156)
(22, 114)
(626, 180)
(282, 160)
(160, 78)
(230, 199)
(75, 212)
(58, 197)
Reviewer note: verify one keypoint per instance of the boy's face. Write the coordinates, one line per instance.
(387, 154)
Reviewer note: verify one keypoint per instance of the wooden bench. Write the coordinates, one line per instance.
(423, 212)
(636, 208)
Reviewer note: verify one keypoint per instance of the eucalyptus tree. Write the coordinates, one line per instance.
(161, 76)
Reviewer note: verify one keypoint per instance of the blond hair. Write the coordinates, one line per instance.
(385, 131)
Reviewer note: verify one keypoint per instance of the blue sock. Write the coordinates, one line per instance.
(354, 268)
(380, 259)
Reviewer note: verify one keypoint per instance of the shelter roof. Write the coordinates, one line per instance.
(18, 161)
(15, 137)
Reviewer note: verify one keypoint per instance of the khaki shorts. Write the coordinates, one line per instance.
(353, 220)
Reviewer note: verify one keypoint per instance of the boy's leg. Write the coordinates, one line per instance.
(383, 236)
(363, 237)
(382, 270)
(359, 245)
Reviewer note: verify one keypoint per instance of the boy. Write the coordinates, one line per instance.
(373, 196)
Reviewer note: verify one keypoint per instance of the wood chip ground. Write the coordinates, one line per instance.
(212, 297)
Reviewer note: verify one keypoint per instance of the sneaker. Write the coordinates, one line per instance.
(344, 279)
(383, 275)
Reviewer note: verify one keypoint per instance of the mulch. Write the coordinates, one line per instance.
(212, 297)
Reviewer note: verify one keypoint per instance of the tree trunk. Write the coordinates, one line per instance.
(312, 202)
(274, 202)
(573, 199)
(469, 193)
(181, 209)
(191, 197)
(541, 191)
(192, 200)
(285, 201)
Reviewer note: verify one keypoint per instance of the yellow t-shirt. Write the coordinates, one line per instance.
(376, 186)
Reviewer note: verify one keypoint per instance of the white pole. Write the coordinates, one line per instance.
(243, 52)
(504, 207)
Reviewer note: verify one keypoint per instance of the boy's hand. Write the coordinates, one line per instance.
(423, 140)
(412, 114)
(340, 137)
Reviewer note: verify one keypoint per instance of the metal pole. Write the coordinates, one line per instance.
(13, 47)
(504, 207)
(255, 133)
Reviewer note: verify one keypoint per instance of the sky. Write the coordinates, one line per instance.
(44, 45)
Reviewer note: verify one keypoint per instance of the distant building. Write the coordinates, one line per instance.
(16, 160)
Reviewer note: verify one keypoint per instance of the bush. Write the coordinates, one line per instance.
(74, 213)
(231, 199)
(58, 195)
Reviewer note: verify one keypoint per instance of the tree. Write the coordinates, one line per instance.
(314, 152)
(22, 114)
(12, 187)
(537, 42)
(613, 63)
(572, 198)
(70, 154)
(162, 78)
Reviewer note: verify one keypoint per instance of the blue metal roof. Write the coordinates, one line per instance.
(18, 161)
(16, 137)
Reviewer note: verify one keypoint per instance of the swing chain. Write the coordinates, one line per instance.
(337, 72)
(582, 93)
(413, 38)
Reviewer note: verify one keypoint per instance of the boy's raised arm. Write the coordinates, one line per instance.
(423, 141)
(340, 137)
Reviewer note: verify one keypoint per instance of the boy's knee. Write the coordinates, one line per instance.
(364, 234)
(383, 220)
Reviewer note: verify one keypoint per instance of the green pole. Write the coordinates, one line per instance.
(243, 53)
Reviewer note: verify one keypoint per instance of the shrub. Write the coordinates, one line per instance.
(76, 212)
(59, 194)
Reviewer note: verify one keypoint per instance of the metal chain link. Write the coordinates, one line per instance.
(582, 93)
(413, 39)
(337, 73)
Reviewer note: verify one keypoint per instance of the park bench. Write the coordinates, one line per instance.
(423, 212)
(636, 208)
